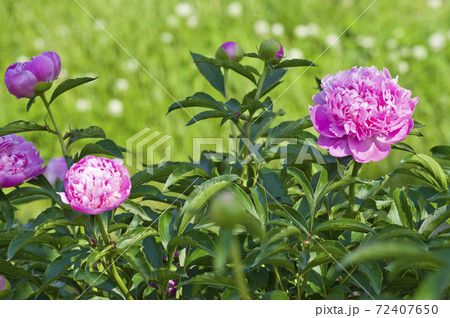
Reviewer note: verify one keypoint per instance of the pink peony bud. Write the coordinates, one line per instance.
(95, 185)
(361, 112)
(271, 51)
(19, 161)
(56, 169)
(31, 78)
(230, 51)
(172, 288)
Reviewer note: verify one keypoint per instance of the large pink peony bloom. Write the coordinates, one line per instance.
(19, 161)
(361, 112)
(95, 185)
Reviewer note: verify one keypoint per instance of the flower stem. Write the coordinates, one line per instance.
(261, 82)
(58, 132)
(238, 272)
(351, 194)
(225, 78)
(112, 267)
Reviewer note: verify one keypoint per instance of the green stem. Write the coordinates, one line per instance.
(351, 194)
(261, 82)
(225, 78)
(58, 132)
(112, 267)
(238, 272)
(279, 280)
(305, 281)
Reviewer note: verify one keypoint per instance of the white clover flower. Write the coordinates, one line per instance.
(192, 21)
(434, 4)
(332, 39)
(130, 65)
(419, 52)
(261, 27)
(391, 44)
(366, 42)
(436, 41)
(403, 67)
(184, 9)
(115, 107)
(83, 105)
(172, 20)
(313, 29)
(121, 84)
(295, 53)
(166, 37)
(22, 58)
(234, 9)
(277, 29)
(301, 31)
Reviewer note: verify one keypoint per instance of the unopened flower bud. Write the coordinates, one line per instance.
(230, 51)
(271, 51)
(5, 288)
(227, 210)
(93, 242)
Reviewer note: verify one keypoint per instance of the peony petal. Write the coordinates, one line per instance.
(63, 197)
(368, 150)
(56, 63)
(321, 121)
(338, 147)
(42, 67)
(21, 84)
(397, 135)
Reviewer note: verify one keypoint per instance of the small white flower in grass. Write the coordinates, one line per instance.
(399, 33)
(403, 67)
(83, 105)
(64, 74)
(436, 41)
(301, 31)
(115, 107)
(22, 58)
(39, 44)
(166, 37)
(192, 21)
(261, 27)
(366, 42)
(295, 53)
(391, 44)
(99, 25)
(434, 4)
(172, 20)
(419, 52)
(64, 30)
(130, 65)
(121, 84)
(277, 29)
(332, 39)
(313, 29)
(184, 9)
(234, 9)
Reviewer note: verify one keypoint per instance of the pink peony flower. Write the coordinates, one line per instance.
(21, 78)
(361, 112)
(95, 185)
(56, 168)
(19, 161)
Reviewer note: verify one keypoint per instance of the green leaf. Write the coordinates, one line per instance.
(343, 225)
(136, 209)
(404, 208)
(90, 132)
(69, 84)
(243, 199)
(19, 127)
(441, 152)
(260, 201)
(183, 173)
(7, 210)
(373, 273)
(291, 129)
(102, 147)
(434, 286)
(300, 178)
(403, 146)
(200, 196)
(285, 232)
(211, 279)
(59, 266)
(235, 66)
(132, 237)
(212, 73)
(199, 99)
(165, 231)
(273, 78)
(30, 103)
(335, 248)
(206, 115)
(433, 221)
(137, 261)
(11, 271)
(294, 63)
(432, 171)
(152, 252)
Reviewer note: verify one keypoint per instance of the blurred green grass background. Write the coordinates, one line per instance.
(410, 38)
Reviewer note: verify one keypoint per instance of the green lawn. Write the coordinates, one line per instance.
(407, 37)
